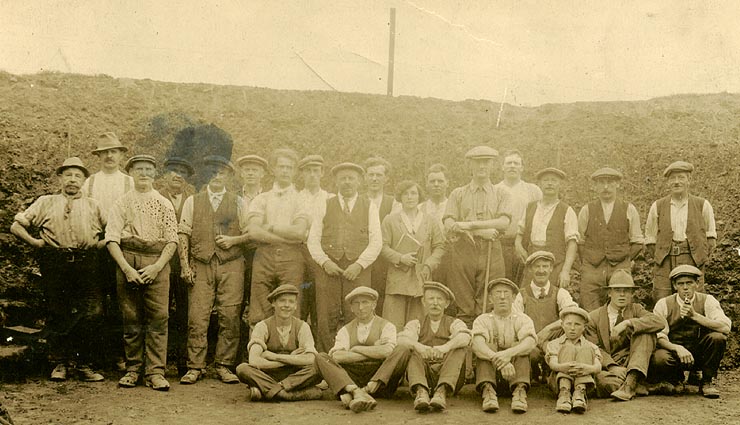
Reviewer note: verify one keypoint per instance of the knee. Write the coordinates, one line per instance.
(242, 371)
(716, 338)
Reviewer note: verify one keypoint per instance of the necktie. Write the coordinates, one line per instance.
(620, 318)
(542, 293)
(346, 205)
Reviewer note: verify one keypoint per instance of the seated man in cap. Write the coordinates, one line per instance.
(438, 345)
(71, 229)
(142, 237)
(610, 237)
(281, 353)
(626, 334)
(502, 341)
(212, 228)
(695, 336)
(356, 365)
(476, 214)
(542, 302)
(680, 229)
(549, 225)
(573, 360)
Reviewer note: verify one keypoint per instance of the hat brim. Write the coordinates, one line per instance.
(61, 169)
(123, 148)
(310, 163)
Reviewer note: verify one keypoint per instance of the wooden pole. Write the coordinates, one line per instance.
(391, 51)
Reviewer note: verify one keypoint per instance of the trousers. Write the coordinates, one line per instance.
(272, 381)
(388, 373)
(571, 353)
(707, 351)
(485, 372)
(273, 265)
(594, 281)
(430, 375)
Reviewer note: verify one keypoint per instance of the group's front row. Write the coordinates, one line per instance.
(606, 352)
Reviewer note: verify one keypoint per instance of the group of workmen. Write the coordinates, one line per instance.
(358, 291)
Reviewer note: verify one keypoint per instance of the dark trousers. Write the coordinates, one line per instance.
(512, 265)
(430, 375)
(74, 304)
(485, 372)
(388, 373)
(378, 278)
(308, 289)
(178, 321)
(112, 318)
(241, 353)
(707, 351)
(272, 381)
(631, 352)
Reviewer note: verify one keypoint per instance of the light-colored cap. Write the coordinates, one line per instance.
(441, 288)
(540, 255)
(684, 270)
(481, 152)
(503, 281)
(107, 141)
(678, 166)
(254, 159)
(551, 170)
(345, 166)
(608, 173)
(621, 278)
(73, 162)
(362, 291)
(311, 160)
(574, 309)
(281, 290)
(139, 158)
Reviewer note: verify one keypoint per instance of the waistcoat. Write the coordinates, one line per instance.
(607, 240)
(345, 235)
(428, 337)
(696, 234)
(542, 311)
(554, 237)
(207, 224)
(684, 331)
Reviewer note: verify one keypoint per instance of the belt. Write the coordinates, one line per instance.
(679, 248)
(72, 255)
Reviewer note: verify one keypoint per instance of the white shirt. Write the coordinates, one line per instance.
(633, 218)
(314, 204)
(520, 195)
(341, 342)
(712, 311)
(378, 199)
(564, 298)
(107, 188)
(679, 219)
(542, 216)
(436, 211)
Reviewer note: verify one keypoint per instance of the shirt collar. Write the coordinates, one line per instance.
(77, 195)
(612, 309)
(349, 200)
(536, 289)
(280, 191)
(679, 202)
(212, 194)
(487, 187)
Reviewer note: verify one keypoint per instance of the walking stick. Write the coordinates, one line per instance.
(488, 274)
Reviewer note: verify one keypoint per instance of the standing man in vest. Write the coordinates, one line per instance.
(212, 227)
(278, 222)
(680, 229)
(107, 186)
(344, 242)
(549, 225)
(357, 366)
(142, 237)
(177, 190)
(610, 237)
(521, 194)
(476, 215)
(695, 336)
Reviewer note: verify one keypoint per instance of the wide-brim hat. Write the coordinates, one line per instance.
(682, 166)
(311, 160)
(254, 159)
(73, 162)
(551, 170)
(546, 255)
(139, 158)
(621, 278)
(107, 141)
(220, 161)
(574, 309)
(503, 281)
(684, 270)
(176, 160)
(347, 166)
(481, 152)
(439, 287)
(281, 290)
(606, 173)
(362, 291)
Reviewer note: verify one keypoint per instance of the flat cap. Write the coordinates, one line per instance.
(176, 160)
(621, 278)
(218, 160)
(441, 288)
(684, 270)
(574, 309)
(683, 166)
(140, 158)
(254, 159)
(282, 290)
(481, 152)
(73, 162)
(551, 170)
(606, 172)
(311, 160)
(362, 291)
(107, 141)
(347, 166)
(546, 255)
(503, 281)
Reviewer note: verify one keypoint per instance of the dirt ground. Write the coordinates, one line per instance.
(211, 402)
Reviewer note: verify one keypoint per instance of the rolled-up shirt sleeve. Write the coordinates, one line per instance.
(481, 327)
(114, 228)
(305, 339)
(633, 217)
(371, 252)
(341, 342)
(314, 240)
(389, 334)
(583, 217)
(458, 327)
(259, 336)
(570, 226)
(524, 327)
(651, 225)
(714, 311)
(186, 217)
(661, 310)
(707, 213)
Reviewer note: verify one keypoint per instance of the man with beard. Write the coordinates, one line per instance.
(680, 229)
(142, 237)
(71, 227)
(521, 194)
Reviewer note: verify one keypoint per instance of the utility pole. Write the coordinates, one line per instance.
(391, 51)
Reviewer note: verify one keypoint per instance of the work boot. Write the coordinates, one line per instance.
(191, 377)
(254, 394)
(628, 388)
(129, 380)
(579, 399)
(361, 401)
(490, 401)
(157, 382)
(59, 373)
(708, 388)
(421, 402)
(86, 374)
(519, 399)
(564, 403)
(226, 376)
(439, 401)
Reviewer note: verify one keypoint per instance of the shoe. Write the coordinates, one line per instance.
(439, 401)
(86, 374)
(708, 388)
(564, 403)
(361, 401)
(120, 364)
(662, 388)
(322, 385)
(519, 399)
(191, 377)
(490, 401)
(129, 380)
(226, 376)
(59, 373)
(312, 393)
(254, 394)
(628, 388)
(346, 399)
(579, 399)
(157, 382)
(421, 402)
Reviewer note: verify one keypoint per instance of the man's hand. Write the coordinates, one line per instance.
(521, 253)
(226, 242)
(149, 273)
(38, 243)
(687, 310)
(426, 352)
(352, 271)
(579, 369)
(508, 372)
(408, 260)
(332, 269)
(684, 355)
(101, 244)
(133, 276)
(619, 328)
(500, 359)
(454, 227)
(564, 279)
(187, 274)
(426, 273)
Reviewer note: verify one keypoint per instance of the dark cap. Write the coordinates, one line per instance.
(282, 290)
(551, 170)
(311, 160)
(685, 270)
(682, 166)
(439, 287)
(73, 162)
(347, 166)
(621, 278)
(176, 160)
(606, 172)
(254, 159)
(362, 291)
(503, 281)
(481, 152)
(546, 255)
(219, 160)
(140, 158)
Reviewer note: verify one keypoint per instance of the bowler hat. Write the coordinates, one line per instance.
(362, 291)
(682, 166)
(176, 160)
(481, 152)
(254, 159)
(311, 160)
(107, 141)
(139, 158)
(281, 290)
(503, 281)
(73, 162)
(218, 160)
(347, 166)
(621, 278)
(551, 170)
(441, 288)
(684, 270)
(606, 173)
(546, 255)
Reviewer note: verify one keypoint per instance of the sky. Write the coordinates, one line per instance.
(523, 52)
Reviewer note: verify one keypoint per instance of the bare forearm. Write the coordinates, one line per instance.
(304, 359)
(184, 248)
(344, 356)
(21, 232)
(523, 348)
(459, 341)
(166, 254)
(714, 325)
(500, 223)
(570, 254)
(481, 349)
(374, 351)
(115, 251)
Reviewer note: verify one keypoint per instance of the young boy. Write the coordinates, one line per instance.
(574, 361)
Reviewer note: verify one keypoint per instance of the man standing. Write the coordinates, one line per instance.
(549, 225)
(521, 194)
(71, 227)
(142, 237)
(610, 237)
(695, 337)
(278, 222)
(626, 334)
(344, 242)
(502, 341)
(437, 185)
(356, 366)
(253, 169)
(680, 229)
(475, 216)
(281, 353)
(211, 229)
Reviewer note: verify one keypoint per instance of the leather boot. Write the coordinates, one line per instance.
(421, 402)
(439, 401)
(490, 401)
(628, 388)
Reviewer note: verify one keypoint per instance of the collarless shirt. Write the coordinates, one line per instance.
(342, 341)
(215, 198)
(679, 220)
(520, 195)
(633, 219)
(148, 216)
(542, 216)
(474, 202)
(315, 203)
(278, 206)
(107, 188)
(712, 311)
